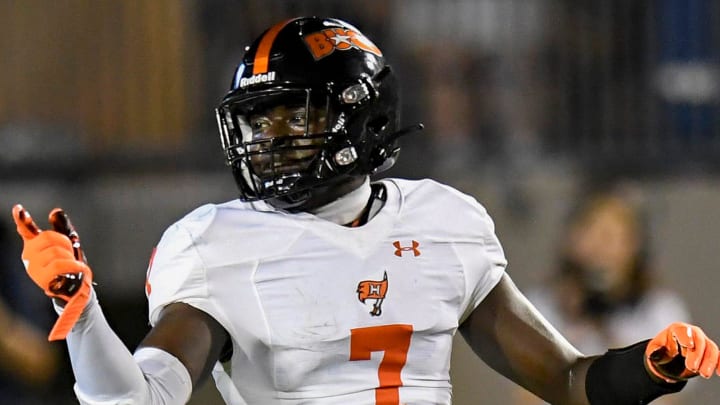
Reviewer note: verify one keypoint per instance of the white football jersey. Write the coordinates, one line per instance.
(321, 313)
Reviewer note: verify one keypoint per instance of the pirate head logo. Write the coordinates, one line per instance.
(374, 290)
(323, 43)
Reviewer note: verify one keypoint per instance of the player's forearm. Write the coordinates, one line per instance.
(557, 374)
(513, 338)
(562, 376)
(566, 387)
(102, 364)
(105, 370)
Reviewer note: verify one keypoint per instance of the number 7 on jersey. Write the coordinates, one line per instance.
(394, 340)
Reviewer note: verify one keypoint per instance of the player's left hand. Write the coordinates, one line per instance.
(681, 351)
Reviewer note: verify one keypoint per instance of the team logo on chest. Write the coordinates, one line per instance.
(373, 290)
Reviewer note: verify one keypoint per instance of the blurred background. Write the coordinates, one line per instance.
(106, 109)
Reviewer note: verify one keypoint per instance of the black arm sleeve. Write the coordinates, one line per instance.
(619, 377)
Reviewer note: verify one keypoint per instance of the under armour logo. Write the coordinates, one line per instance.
(399, 249)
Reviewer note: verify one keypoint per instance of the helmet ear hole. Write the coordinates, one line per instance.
(376, 125)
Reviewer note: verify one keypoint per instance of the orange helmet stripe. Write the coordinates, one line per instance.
(262, 56)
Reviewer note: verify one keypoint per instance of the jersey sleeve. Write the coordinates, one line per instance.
(483, 261)
(176, 273)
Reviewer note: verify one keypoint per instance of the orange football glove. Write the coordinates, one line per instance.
(681, 351)
(55, 261)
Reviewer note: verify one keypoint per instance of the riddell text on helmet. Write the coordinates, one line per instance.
(255, 79)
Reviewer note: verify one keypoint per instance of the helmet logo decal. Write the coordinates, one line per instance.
(255, 79)
(323, 43)
(376, 290)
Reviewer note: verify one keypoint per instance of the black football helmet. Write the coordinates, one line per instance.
(329, 71)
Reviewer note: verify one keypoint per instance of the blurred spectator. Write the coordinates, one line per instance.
(29, 364)
(604, 291)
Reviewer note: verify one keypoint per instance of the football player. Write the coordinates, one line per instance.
(318, 286)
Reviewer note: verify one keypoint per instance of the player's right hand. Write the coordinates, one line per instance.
(52, 259)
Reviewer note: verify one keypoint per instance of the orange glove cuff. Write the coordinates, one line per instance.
(73, 309)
